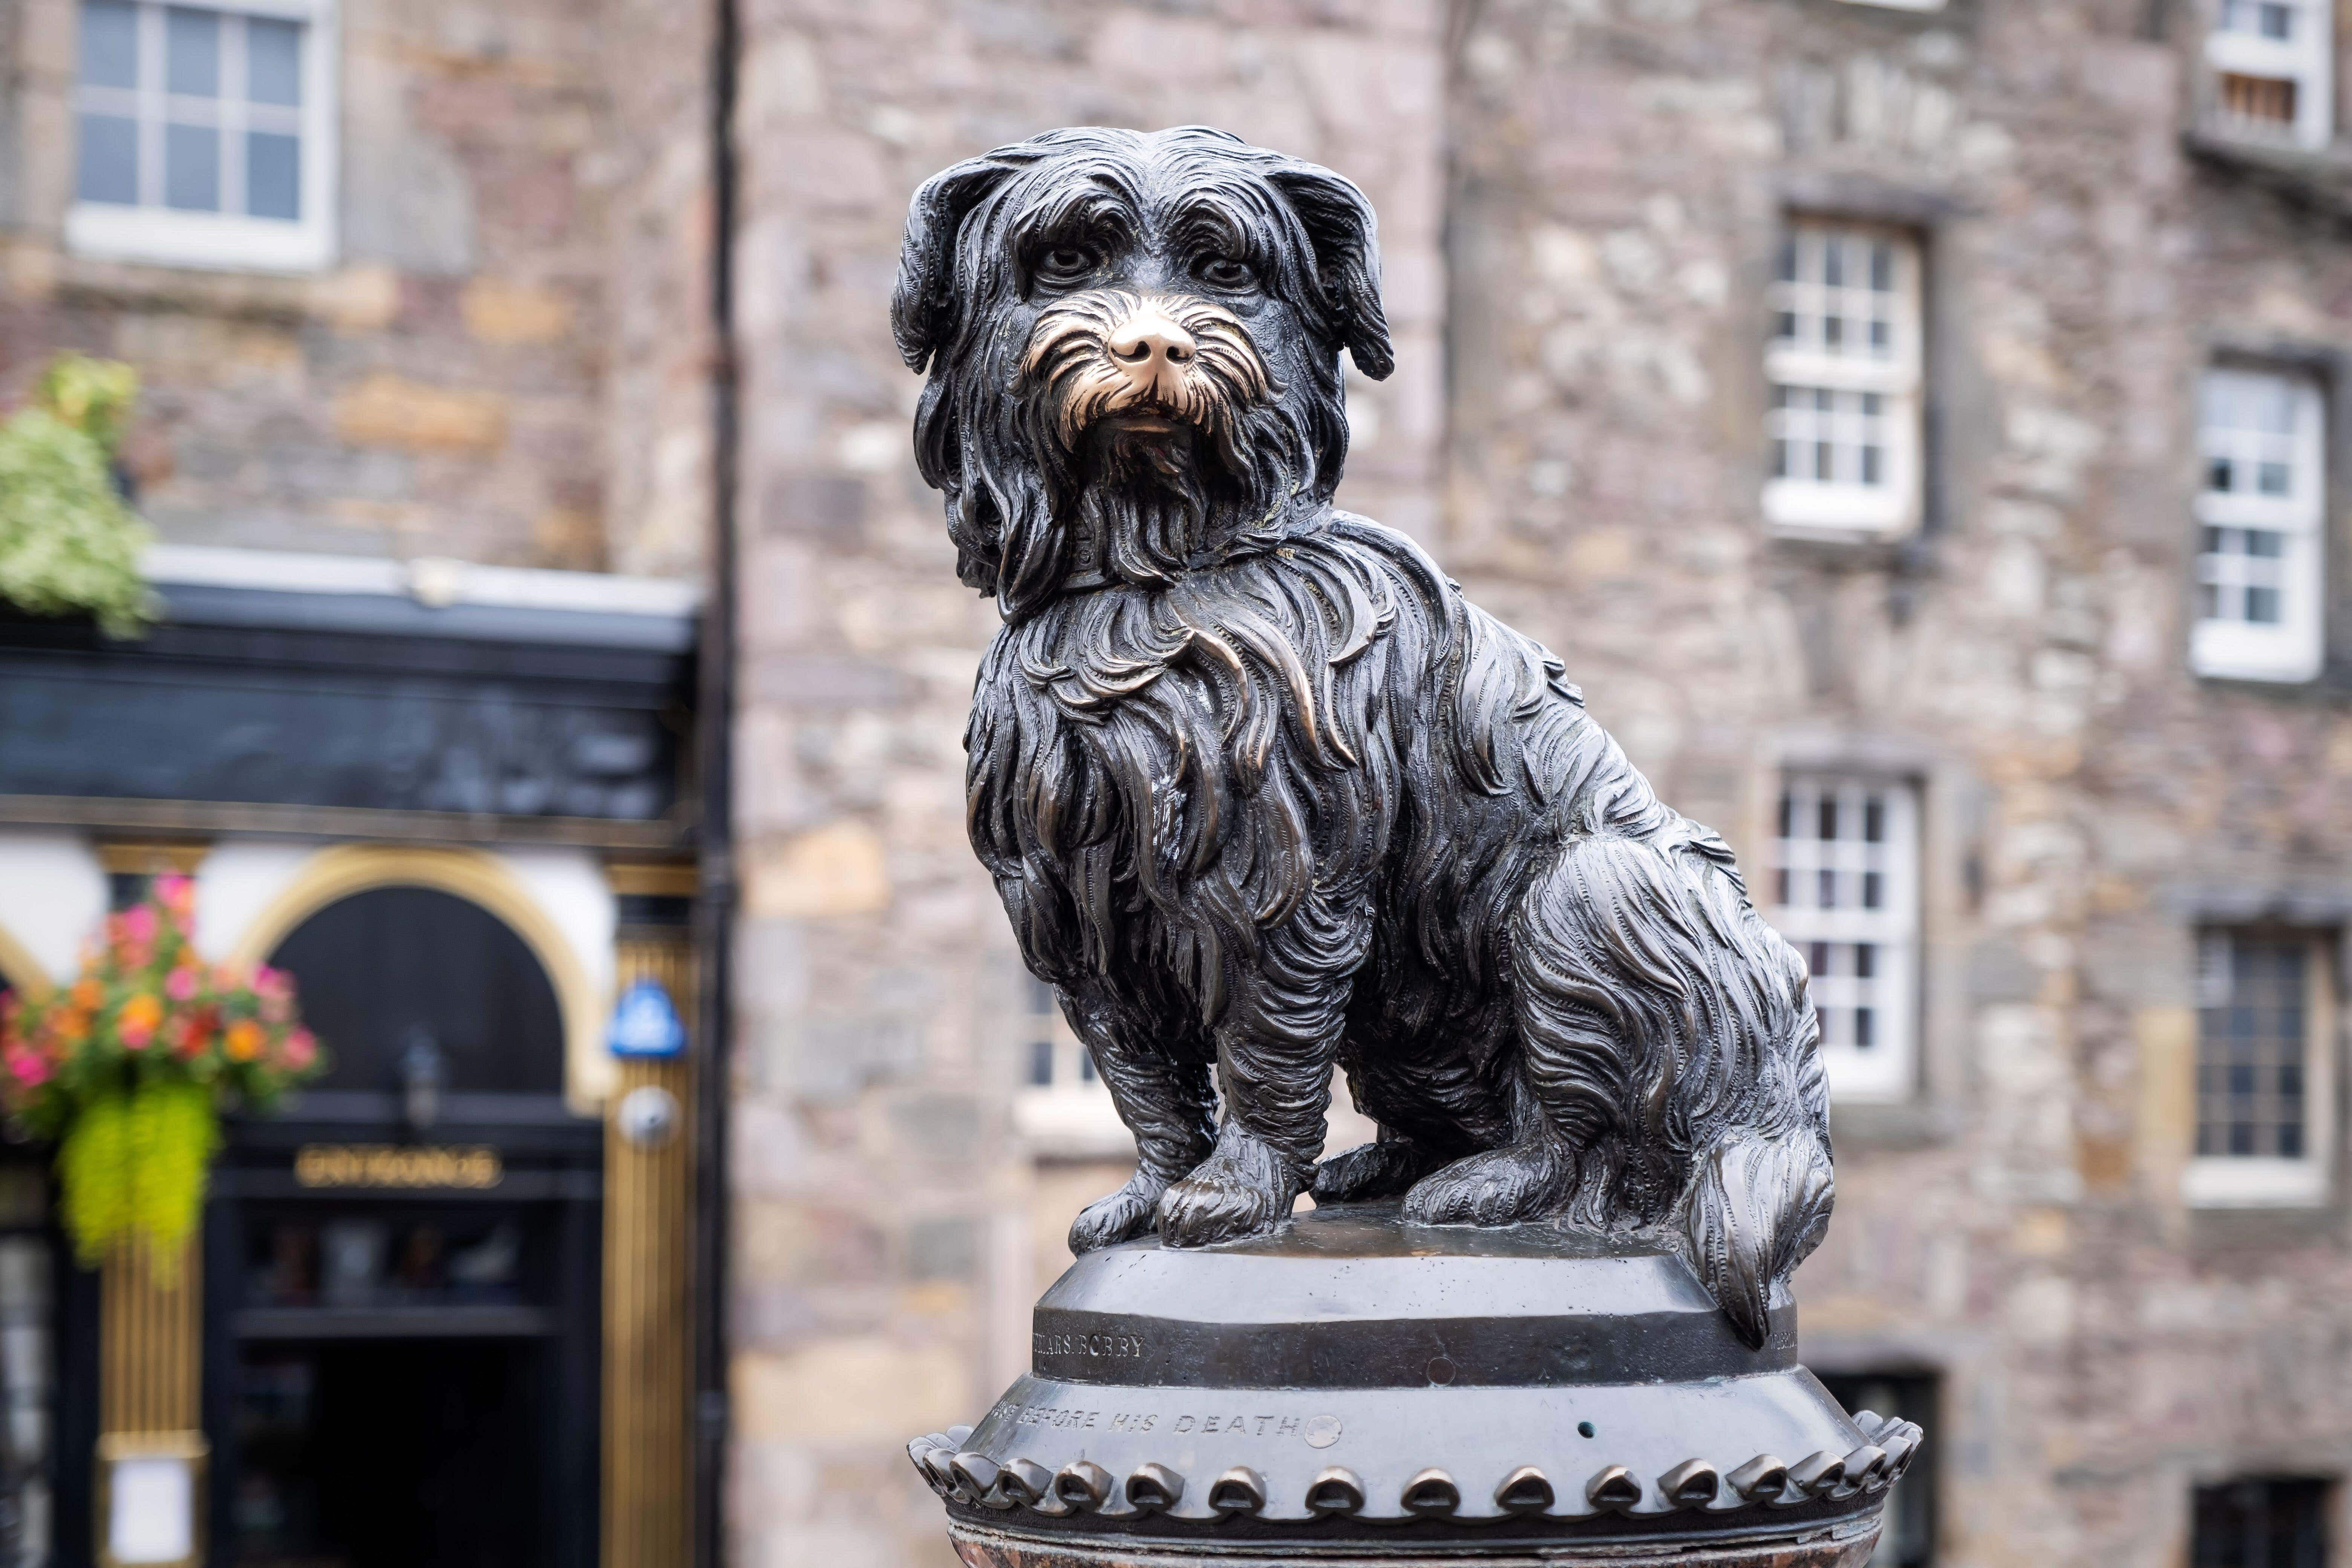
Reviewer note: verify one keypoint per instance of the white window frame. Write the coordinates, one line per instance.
(1071, 1116)
(1806, 363)
(225, 241)
(2244, 1181)
(2307, 57)
(2294, 648)
(1887, 1069)
(1901, 4)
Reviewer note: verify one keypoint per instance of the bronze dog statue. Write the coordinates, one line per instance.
(1262, 794)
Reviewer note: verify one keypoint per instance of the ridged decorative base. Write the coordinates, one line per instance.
(1353, 1389)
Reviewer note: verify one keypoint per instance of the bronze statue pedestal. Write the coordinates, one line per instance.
(1353, 1389)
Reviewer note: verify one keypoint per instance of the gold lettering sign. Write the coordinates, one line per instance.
(397, 1166)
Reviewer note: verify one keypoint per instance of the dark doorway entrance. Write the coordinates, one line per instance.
(402, 1291)
(376, 1455)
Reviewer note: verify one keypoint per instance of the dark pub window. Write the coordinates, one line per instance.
(2262, 1523)
(1907, 1539)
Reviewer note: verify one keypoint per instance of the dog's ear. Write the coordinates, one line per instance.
(1340, 226)
(923, 307)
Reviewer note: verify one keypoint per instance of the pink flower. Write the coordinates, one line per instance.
(138, 923)
(179, 985)
(29, 1068)
(300, 1049)
(177, 892)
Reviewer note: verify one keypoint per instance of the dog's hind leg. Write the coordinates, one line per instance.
(1165, 1101)
(1587, 954)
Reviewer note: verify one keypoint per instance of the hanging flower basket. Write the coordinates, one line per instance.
(129, 1068)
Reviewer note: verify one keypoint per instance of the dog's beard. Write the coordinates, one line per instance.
(1125, 504)
(1143, 508)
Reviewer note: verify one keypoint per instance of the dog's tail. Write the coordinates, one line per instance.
(1756, 1203)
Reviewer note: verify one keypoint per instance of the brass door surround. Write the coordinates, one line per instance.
(648, 1272)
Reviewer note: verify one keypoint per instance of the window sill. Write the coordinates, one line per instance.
(1071, 1125)
(2311, 176)
(211, 242)
(2255, 1184)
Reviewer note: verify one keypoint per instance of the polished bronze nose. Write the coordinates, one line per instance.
(1149, 344)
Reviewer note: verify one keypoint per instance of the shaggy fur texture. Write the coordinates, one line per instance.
(1265, 796)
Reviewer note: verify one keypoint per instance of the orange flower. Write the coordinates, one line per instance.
(87, 994)
(138, 1019)
(245, 1040)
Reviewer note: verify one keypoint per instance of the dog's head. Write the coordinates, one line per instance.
(1133, 342)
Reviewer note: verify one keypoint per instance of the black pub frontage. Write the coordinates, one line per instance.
(446, 1296)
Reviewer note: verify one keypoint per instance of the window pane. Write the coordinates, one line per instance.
(2251, 1045)
(273, 61)
(106, 164)
(1041, 1063)
(273, 176)
(192, 168)
(1881, 268)
(109, 43)
(2262, 606)
(192, 52)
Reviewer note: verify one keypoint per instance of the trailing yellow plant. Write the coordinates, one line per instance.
(130, 1067)
(68, 542)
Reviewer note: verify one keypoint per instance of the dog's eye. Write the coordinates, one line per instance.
(1223, 273)
(1066, 261)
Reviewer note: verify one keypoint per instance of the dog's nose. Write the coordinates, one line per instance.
(1149, 341)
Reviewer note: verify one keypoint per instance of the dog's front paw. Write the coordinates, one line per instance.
(1371, 1171)
(1242, 1189)
(1108, 1221)
(1493, 1188)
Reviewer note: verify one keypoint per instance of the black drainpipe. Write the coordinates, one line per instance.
(714, 909)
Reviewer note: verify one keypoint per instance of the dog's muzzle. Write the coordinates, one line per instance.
(1106, 353)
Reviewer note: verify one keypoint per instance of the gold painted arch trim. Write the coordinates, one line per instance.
(337, 873)
(19, 968)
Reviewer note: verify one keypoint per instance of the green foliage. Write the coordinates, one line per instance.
(93, 395)
(67, 543)
(133, 1164)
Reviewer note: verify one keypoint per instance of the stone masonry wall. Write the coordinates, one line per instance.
(1623, 166)
(1579, 203)
(501, 367)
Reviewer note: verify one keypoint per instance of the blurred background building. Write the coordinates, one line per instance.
(1921, 425)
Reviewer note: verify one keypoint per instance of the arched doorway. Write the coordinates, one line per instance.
(401, 1269)
(385, 972)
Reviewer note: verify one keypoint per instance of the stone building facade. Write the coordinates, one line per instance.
(2086, 210)
(2021, 589)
